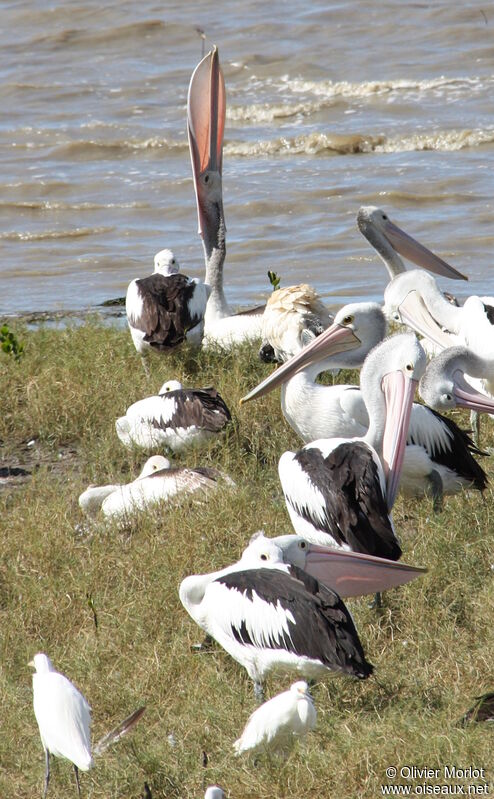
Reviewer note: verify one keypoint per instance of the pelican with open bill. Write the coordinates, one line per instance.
(206, 106)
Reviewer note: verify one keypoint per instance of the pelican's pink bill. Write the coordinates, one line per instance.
(399, 391)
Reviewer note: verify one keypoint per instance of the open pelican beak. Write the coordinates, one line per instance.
(206, 106)
(399, 391)
(335, 339)
(413, 251)
(414, 313)
(467, 396)
(356, 574)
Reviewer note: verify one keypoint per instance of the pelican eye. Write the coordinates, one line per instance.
(384, 216)
(449, 397)
(409, 367)
(172, 261)
(303, 545)
(348, 319)
(264, 557)
(206, 178)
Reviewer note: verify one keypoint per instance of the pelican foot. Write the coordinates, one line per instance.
(206, 646)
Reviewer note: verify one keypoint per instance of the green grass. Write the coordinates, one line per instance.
(432, 644)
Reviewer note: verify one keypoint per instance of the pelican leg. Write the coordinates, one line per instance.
(259, 692)
(77, 781)
(475, 424)
(47, 772)
(377, 602)
(437, 491)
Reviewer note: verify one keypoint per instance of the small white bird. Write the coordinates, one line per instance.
(176, 418)
(63, 716)
(64, 720)
(157, 482)
(277, 723)
(214, 792)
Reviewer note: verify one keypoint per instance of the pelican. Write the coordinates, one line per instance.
(292, 318)
(64, 720)
(340, 491)
(269, 615)
(279, 722)
(444, 386)
(206, 107)
(415, 300)
(165, 308)
(389, 241)
(350, 574)
(157, 482)
(176, 418)
(214, 792)
(438, 456)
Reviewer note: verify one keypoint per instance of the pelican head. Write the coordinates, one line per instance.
(347, 573)
(356, 328)
(408, 299)
(206, 105)
(388, 240)
(154, 464)
(165, 263)
(444, 386)
(170, 385)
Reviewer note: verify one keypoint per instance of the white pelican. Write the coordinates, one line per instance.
(166, 307)
(269, 615)
(206, 107)
(389, 241)
(64, 720)
(157, 482)
(347, 573)
(279, 722)
(176, 418)
(438, 456)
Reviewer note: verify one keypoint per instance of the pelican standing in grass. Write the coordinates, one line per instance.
(176, 418)
(438, 456)
(157, 482)
(206, 107)
(279, 722)
(64, 720)
(165, 308)
(269, 615)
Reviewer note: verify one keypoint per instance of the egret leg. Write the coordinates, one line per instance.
(475, 423)
(258, 692)
(437, 491)
(47, 772)
(77, 781)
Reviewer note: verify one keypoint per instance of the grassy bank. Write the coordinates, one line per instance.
(102, 602)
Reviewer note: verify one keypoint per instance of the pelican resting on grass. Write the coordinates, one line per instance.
(64, 720)
(350, 574)
(206, 107)
(158, 482)
(269, 615)
(438, 456)
(165, 308)
(176, 418)
(292, 318)
(279, 722)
